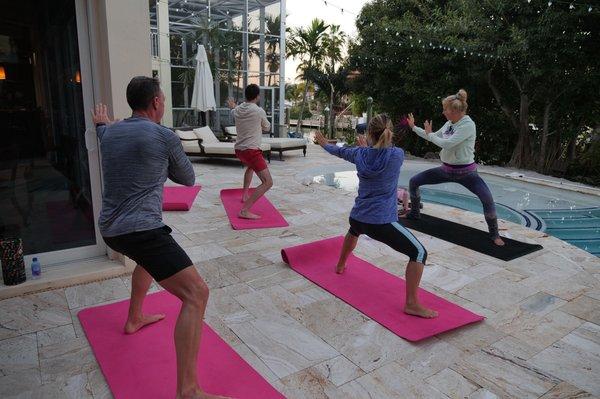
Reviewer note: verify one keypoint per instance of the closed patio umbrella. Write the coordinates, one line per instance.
(203, 97)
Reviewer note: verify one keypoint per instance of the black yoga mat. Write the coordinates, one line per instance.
(469, 237)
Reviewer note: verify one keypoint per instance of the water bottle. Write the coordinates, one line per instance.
(36, 268)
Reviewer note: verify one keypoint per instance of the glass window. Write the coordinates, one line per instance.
(45, 189)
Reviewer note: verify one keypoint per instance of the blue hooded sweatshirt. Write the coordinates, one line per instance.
(378, 172)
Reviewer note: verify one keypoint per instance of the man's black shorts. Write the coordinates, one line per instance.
(155, 250)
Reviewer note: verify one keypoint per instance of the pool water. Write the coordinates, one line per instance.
(568, 215)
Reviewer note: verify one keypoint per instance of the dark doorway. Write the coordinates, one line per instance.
(45, 192)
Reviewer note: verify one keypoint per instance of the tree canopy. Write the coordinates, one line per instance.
(530, 68)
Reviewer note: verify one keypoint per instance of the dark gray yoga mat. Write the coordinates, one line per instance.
(469, 237)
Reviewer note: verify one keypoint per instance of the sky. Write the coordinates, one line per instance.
(302, 12)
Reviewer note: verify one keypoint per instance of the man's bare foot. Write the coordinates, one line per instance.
(339, 269)
(420, 311)
(499, 241)
(248, 215)
(199, 394)
(134, 325)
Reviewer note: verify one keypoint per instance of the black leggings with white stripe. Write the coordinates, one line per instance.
(393, 235)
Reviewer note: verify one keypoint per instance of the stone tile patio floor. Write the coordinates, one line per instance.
(541, 338)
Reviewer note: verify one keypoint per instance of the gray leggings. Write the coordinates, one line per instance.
(468, 179)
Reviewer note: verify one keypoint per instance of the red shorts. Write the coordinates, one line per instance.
(252, 158)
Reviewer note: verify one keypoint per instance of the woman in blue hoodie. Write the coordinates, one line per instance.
(375, 212)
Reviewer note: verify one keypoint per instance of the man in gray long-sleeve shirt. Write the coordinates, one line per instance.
(138, 154)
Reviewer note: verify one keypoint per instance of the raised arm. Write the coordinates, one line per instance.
(346, 153)
(100, 119)
(423, 132)
(264, 122)
(461, 134)
(181, 170)
(231, 104)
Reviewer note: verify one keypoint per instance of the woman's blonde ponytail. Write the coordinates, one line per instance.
(385, 140)
(380, 131)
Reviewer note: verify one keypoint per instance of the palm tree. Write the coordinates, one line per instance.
(307, 45)
(335, 74)
(273, 27)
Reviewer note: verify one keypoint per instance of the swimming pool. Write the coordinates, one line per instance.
(571, 216)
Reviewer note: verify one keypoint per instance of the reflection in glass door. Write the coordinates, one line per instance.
(45, 190)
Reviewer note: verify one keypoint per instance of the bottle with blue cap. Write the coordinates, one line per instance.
(36, 268)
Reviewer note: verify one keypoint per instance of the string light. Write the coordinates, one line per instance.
(330, 4)
(572, 4)
(465, 52)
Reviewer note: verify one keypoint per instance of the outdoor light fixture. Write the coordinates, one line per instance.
(2, 73)
(77, 77)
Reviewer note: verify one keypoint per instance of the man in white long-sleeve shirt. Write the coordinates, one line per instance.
(250, 122)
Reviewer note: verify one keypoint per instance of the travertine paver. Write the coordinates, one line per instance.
(540, 338)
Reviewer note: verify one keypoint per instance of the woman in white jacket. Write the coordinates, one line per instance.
(457, 141)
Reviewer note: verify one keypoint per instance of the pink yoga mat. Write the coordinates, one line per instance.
(179, 198)
(270, 217)
(143, 365)
(375, 292)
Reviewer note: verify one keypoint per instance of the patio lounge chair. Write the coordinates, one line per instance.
(202, 142)
(278, 144)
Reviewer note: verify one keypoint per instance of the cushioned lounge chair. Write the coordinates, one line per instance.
(202, 142)
(278, 144)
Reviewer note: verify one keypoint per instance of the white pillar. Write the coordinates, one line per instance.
(282, 13)
(164, 54)
(121, 49)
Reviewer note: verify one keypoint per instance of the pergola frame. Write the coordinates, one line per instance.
(183, 19)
